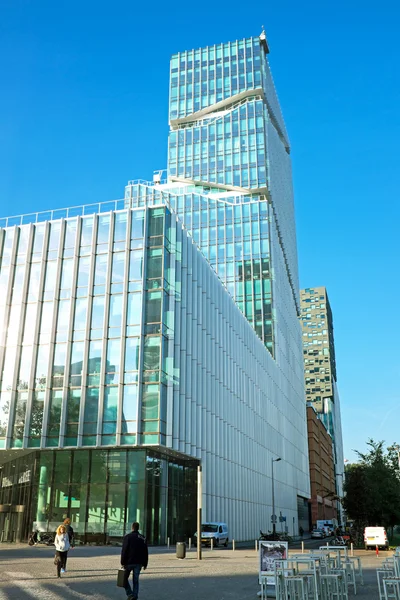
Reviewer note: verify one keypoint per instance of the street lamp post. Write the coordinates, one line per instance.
(273, 497)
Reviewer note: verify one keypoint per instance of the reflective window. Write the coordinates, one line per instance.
(59, 364)
(86, 233)
(98, 312)
(54, 238)
(38, 240)
(53, 426)
(24, 368)
(115, 314)
(34, 280)
(151, 353)
(113, 356)
(129, 408)
(30, 323)
(23, 239)
(91, 411)
(83, 271)
(100, 272)
(137, 224)
(36, 422)
(150, 401)
(103, 231)
(153, 307)
(120, 226)
(132, 354)
(66, 274)
(134, 309)
(77, 351)
(70, 233)
(110, 407)
(118, 267)
(136, 265)
(42, 364)
(81, 308)
(72, 417)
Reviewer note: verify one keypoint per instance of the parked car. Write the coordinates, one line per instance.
(375, 536)
(218, 532)
(318, 534)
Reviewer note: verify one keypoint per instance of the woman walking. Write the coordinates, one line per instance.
(62, 546)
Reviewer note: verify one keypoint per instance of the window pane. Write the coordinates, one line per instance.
(120, 226)
(86, 234)
(153, 307)
(129, 408)
(91, 407)
(81, 307)
(66, 274)
(100, 273)
(151, 353)
(115, 311)
(110, 404)
(70, 233)
(134, 309)
(150, 401)
(83, 271)
(137, 224)
(118, 267)
(113, 356)
(136, 265)
(103, 229)
(98, 312)
(132, 354)
(95, 351)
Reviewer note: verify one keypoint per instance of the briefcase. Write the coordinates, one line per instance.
(121, 578)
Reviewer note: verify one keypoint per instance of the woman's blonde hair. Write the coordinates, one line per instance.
(61, 529)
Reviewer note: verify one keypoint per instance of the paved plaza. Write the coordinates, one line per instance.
(28, 572)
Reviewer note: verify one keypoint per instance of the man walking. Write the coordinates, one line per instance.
(134, 556)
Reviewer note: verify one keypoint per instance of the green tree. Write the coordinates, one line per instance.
(372, 488)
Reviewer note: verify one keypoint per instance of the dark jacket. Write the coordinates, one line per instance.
(134, 550)
(70, 532)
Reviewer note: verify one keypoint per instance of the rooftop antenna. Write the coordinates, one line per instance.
(263, 40)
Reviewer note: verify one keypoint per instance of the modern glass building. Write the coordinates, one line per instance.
(142, 337)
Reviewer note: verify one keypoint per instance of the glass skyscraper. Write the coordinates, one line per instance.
(141, 337)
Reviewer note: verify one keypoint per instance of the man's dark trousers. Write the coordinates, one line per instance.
(134, 591)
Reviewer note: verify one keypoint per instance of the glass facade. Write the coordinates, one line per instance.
(102, 491)
(83, 353)
(233, 234)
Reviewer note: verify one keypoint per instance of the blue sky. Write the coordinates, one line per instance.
(83, 108)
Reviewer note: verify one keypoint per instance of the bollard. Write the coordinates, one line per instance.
(233, 545)
(377, 551)
(190, 543)
(212, 544)
(302, 547)
(352, 549)
(168, 543)
(256, 545)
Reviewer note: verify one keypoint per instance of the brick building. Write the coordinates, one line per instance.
(322, 472)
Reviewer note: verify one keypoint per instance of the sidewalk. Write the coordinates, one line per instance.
(29, 572)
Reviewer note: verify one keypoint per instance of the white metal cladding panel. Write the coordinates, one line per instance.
(245, 408)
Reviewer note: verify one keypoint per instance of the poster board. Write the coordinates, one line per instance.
(268, 553)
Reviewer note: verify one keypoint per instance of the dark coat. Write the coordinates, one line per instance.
(134, 550)
(71, 534)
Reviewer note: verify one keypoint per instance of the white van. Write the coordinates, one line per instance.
(218, 532)
(376, 536)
